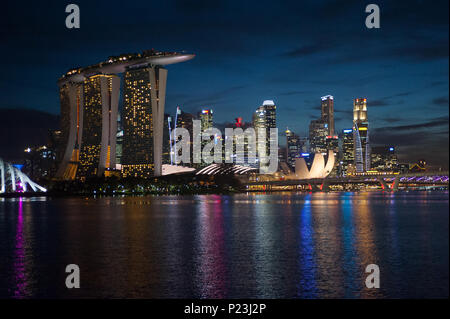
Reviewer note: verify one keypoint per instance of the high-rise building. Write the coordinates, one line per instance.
(318, 132)
(361, 142)
(384, 159)
(294, 147)
(182, 120)
(185, 120)
(241, 153)
(89, 102)
(332, 143)
(99, 129)
(264, 119)
(166, 140)
(138, 129)
(327, 106)
(347, 159)
(39, 162)
(119, 141)
(206, 118)
(71, 99)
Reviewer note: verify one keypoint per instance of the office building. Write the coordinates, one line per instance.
(347, 158)
(318, 132)
(361, 143)
(384, 159)
(264, 118)
(327, 107)
(294, 147)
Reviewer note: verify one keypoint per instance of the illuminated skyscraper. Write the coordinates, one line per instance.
(98, 142)
(182, 120)
(293, 147)
(206, 118)
(265, 118)
(119, 140)
(348, 157)
(327, 106)
(71, 98)
(89, 101)
(361, 142)
(384, 159)
(185, 120)
(166, 140)
(318, 132)
(143, 121)
(332, 142)
(92, 126)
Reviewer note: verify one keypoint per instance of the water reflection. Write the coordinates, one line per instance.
(364, 241)
(351, 269)
(22, 287)
(211, 272)
(305, 245)
(307, 285)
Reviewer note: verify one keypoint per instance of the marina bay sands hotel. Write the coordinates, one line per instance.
(89, 111)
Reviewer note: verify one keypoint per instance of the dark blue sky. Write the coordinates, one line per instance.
(292, 52)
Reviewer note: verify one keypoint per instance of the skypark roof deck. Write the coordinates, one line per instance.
(118, 64)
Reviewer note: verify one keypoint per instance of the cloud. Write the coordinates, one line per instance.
(413, 145)
(308, 50)
(289, 93)
(378, 103)
(391, 119)
(213, 98)
(422, 51)
(440, 121)
(441, 101)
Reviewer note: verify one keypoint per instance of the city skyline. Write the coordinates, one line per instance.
(300, 151)
(401, 73)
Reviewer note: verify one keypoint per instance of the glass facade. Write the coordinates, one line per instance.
(361, 135)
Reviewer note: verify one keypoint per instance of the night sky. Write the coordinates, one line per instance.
(292, 52)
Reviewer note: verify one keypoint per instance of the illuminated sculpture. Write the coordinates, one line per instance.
(318, 167)
(13, 180)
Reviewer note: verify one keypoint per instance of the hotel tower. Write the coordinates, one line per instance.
(89, 111)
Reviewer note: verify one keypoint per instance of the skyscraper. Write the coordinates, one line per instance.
(71, 99)
(293, 147)
(166, 140)
(384, 159)
(137, 158)
(327, 106)
(318, 132)
(206, 118)
(119, 141)
(361, 142)
(99, 129)
(264, 119)
(183, 120)
(348, 157)
(89, 101)
(332, 142)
